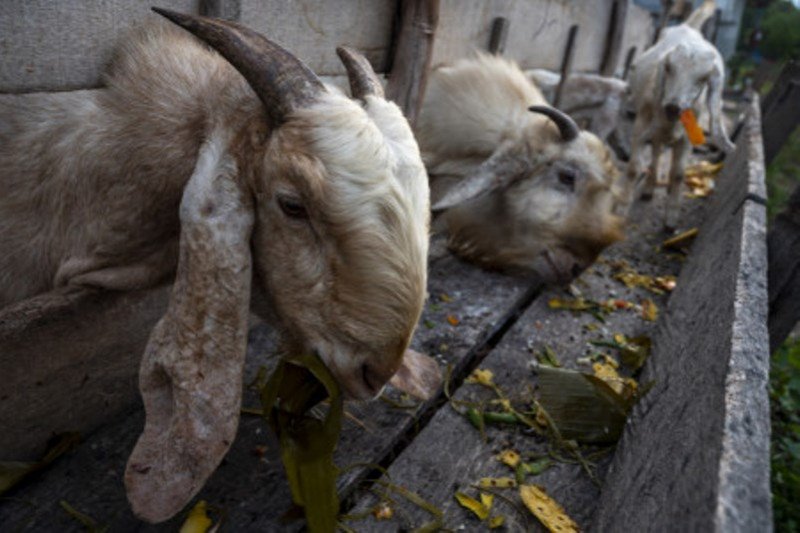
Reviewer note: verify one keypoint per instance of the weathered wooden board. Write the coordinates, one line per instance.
(696, 450)
(411, 61)
(537, 31)
(65, 45)
(69, 362)
(252, 490)
(46, 46)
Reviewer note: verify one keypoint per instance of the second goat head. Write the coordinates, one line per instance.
(528, 190)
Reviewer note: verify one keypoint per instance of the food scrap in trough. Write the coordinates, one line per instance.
(700, 179)
(546, 509)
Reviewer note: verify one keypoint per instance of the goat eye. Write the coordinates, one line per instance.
(292, 208)
(567, 178)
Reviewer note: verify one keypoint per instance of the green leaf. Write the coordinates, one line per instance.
(582, 406)
(307, 443)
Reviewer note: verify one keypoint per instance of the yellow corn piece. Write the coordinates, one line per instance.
(549, 513)
(197, 521)
(693, 129)
(481, 508)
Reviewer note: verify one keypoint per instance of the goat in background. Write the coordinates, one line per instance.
(668, 78)
(528, 191)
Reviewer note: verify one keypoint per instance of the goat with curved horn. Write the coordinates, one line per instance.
(522, 197)
(222, 169)
(567, 127)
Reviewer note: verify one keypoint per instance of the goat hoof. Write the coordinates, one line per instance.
(646, 196)
(669, 229)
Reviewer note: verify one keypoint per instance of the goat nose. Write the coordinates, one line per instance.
(672, 111)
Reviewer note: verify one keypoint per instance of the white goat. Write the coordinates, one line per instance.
(668, 78)
(532, 192)
(327, 197)
(594, 101)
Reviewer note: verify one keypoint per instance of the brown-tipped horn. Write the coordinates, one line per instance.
(363, 80)
(280, 80)
(566, 126)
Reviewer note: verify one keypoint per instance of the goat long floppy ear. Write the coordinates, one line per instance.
(280, 80)
(191, 372)
(499, 170)
(363, 80)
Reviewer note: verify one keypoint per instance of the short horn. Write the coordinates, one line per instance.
(279, 79)
(566, 126)
(363, 80)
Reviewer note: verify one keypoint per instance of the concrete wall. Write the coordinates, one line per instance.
(65, 45)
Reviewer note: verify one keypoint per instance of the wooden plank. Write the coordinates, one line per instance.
(695, 452)
(46, 46)
(412, 55)
(666, 7)
(449, 455)
(252, 489)
(540, 28)
(69, 362)
(566, 63)
(780, 110)
(628, 62)
(783, 247)
(613, 42)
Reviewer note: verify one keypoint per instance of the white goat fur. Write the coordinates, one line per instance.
(92, 182)
(678, 70)
(479, 107)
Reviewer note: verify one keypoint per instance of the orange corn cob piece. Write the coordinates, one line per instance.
(693, 129)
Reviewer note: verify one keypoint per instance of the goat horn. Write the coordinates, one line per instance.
(363, 80)
(281, 81)
(566, 126)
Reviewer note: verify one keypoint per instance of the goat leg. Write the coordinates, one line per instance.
(680, 152)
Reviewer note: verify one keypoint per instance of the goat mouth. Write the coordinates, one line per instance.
(559, 275)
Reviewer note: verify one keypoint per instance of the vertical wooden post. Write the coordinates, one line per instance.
(412, 55)
(614, 34)
(628, 62)
(221, 9)
(498, 37)
(566, 63)
(717, 20)
(666, 7)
